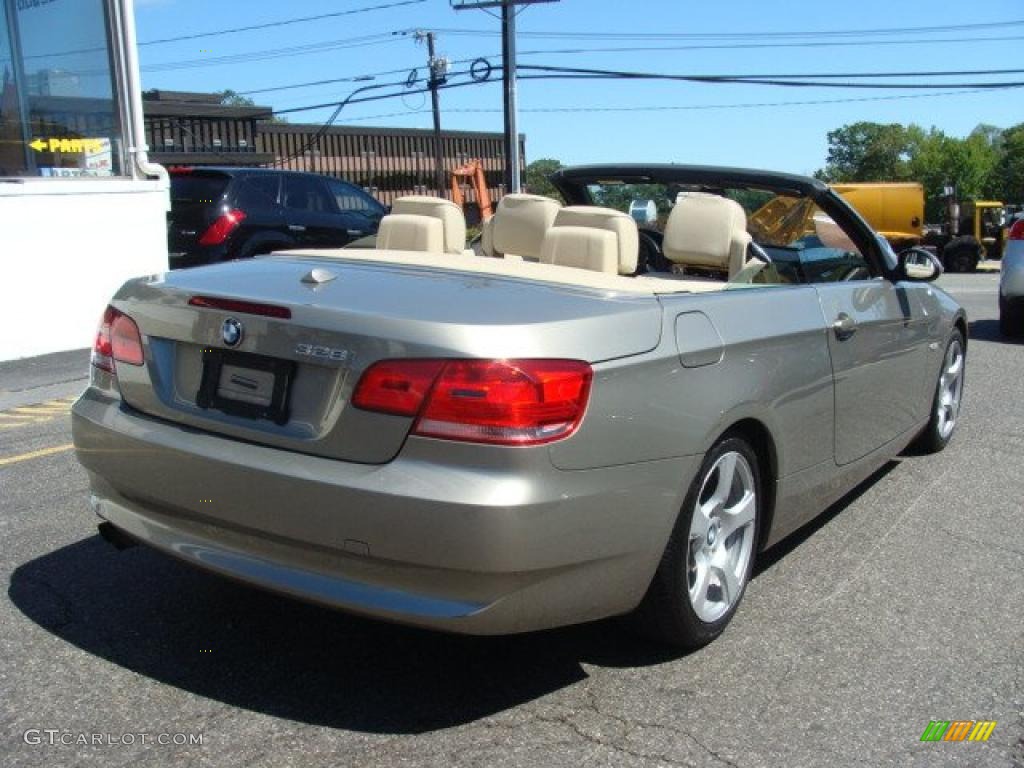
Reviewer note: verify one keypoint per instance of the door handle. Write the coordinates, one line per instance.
(296, 228)
(844, 326)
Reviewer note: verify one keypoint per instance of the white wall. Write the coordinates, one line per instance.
(66, 245)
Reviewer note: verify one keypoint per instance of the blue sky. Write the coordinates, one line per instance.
(692, 122)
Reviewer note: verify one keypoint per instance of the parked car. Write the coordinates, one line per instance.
(219, 214)
(493, 445)
(1011, 283)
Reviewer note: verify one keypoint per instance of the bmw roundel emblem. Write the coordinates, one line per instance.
(231, 332)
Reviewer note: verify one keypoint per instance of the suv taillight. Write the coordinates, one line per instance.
(1017, 230)
(118, 339)
(504, 402)
(225, 224)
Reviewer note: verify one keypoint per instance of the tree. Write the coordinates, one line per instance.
(537, 174)
(229, 98)
(870, 152)
(980, 165)
(1009, 169)
(967, 164)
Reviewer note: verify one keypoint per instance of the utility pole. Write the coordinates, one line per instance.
(508, 54)
(513, 160)
(438, 76)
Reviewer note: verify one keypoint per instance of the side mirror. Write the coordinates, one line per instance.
(919, 265)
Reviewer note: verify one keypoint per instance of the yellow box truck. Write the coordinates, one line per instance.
(894, 209)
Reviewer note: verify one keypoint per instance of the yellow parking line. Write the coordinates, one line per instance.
(36, 454)
(35, 410)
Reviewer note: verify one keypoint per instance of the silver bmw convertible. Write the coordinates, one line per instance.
(609, 406)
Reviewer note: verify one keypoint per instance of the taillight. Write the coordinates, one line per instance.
(225, 224)
(246, 307)
(396, 386)
(118, 339)
(505, 402)
(1017, 230)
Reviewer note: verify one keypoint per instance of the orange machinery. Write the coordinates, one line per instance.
(474, 171)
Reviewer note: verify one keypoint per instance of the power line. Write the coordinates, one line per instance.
(284, 22)
(745, 35)
(631, 49)
(789, 81)
(756, 46)
(273, 53)
(742, 105)
(249, 28)
(558, 73)
(683, 108)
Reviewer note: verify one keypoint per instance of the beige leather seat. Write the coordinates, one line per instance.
(409, 225)
(707, 231)
(589, 251)
(587, 237)
(518, 226)
(410, 232)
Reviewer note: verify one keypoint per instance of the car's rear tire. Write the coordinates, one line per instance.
(710, 555)
(949, 389)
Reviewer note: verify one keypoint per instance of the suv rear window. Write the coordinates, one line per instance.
(197, 188)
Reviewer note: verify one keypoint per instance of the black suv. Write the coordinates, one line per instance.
(234, 213)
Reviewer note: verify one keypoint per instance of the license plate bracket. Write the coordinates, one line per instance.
(263, 382)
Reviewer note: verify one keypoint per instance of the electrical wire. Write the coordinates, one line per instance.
(742, 105)
(883, 31)
(249, 28)
(952, 90)
(789, 81)
(331, 81)
(758, 46)
(273, 53)
(350, 99)
(682, 108)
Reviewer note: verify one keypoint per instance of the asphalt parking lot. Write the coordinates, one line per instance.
(904, 603)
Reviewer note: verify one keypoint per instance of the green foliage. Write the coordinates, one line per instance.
(869, 152)
(620, 196)
(988, 163)
(537, 174)
(229, 98)
(1010, 166)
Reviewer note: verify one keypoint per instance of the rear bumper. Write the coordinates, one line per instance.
(1011, 277)
(492, 541)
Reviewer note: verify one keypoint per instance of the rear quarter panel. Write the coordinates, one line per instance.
(774, 367)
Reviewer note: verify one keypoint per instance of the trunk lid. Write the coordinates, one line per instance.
(365, 312)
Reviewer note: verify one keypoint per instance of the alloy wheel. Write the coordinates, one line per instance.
(721, 538)
(951, 384)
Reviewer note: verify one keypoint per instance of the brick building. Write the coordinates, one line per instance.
(195, 129)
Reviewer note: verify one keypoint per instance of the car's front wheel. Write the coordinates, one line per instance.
(949, 392)
(710, 555)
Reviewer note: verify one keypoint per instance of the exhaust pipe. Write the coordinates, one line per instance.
(115, 536)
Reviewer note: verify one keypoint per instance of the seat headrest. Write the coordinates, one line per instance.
(582, 247)
(706, 230)
(621, 224)
(449, 214)
(411, 232)
(519, 224)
